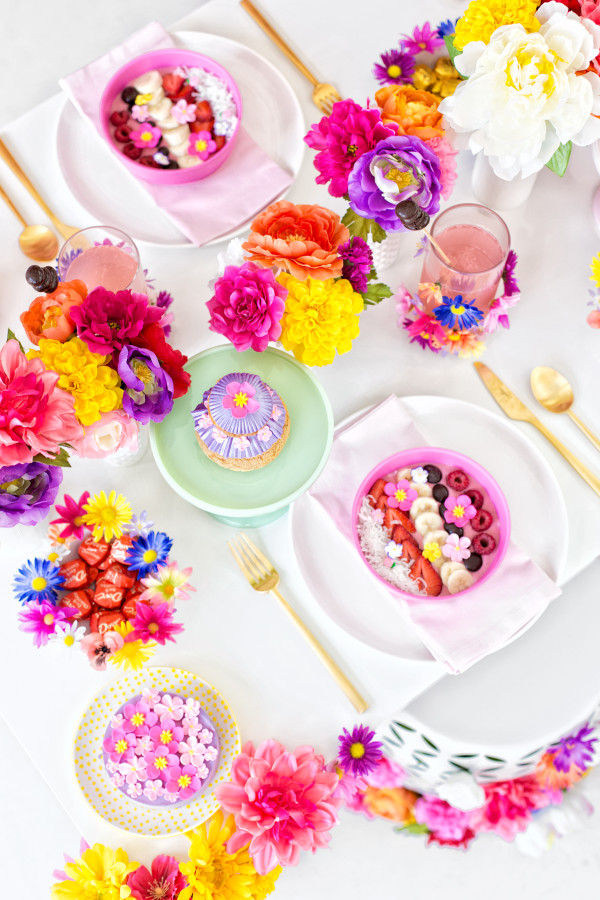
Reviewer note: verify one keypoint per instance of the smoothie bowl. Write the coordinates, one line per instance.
(430, 522)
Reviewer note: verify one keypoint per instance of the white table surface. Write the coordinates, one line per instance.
(548, 327)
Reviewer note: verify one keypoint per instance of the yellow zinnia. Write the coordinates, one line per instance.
(83, 374)
(133, 654)
(107, 515)
(214, 874)
(100, 874)
(320, 318)
(482, 17)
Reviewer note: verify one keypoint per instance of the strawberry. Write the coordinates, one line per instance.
(172, 84)
(376, 491)
(422, 569)
(206, 125)
(401, 534)
(410, 551)
(203, 111)
(406, 521)
(220, 141)
(382, 502)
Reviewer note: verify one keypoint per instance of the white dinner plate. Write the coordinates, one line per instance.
(342, 584)
(112, 196)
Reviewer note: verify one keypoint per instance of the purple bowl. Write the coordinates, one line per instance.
(440, 456)
(167, 59)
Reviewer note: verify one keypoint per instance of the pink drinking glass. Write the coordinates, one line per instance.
(476, 241)
(102, 256)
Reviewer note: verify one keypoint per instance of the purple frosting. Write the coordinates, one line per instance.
(375, 195)
(239, 437)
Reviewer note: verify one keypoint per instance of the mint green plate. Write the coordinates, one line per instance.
(258, 496)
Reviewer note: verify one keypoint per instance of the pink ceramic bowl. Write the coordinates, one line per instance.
(438, 456)
(167, 59)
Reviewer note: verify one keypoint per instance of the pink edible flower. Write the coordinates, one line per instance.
(239, 399)
(400, 495)
(146, 136)
(172, 707)
(201, 144)
(98, 647)
(457, 548)
(134, 769)
(154, 623)
(138, 718)
(154, 789)
(159, 762)
(447, 825)
(184, 112)
(140, 113)
(183, 780)
(119, 745)
(168, 734)
(192, 752)
(164, 881)
(459, 510)
(509, 804)
(282, 802)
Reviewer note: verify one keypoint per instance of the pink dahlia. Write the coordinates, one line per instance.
(282, 802)
(509, 804)
(446, 824)
(341, 139)
(107, 321)
(36, 416)
(164, 881)
(446, 154)
(247, 307)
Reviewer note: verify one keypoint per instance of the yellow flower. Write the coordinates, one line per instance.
(320, 317)
(106, 516)
(432, 551)
(133, 654)
(100, 874)
(595, 267)
(482, 17)
(214, 874)
(93, 385)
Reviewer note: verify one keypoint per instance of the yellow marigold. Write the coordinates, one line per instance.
(133, 654)
(100, 873)
(94, 386)
(320, 317)
(214, 874)
(482, 17)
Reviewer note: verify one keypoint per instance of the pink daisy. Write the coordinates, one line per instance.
(71, 514)
(154, 623)
(422, 40)
(41, 619)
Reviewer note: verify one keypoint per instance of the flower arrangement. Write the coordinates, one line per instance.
(299, 278)
(532, 85)
(102, 584)
(453, 325)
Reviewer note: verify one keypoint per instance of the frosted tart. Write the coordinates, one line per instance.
(241, 423)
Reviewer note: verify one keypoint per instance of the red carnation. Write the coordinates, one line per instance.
(152, 337)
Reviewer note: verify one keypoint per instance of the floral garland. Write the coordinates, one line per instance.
(102, 565)
(451, 325)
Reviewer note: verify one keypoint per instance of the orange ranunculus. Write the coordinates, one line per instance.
(412, 111)
(396, 804)
(48, 315)
(302, 239)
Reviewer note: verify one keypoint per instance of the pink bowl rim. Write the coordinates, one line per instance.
(155, 59)
(445, 457)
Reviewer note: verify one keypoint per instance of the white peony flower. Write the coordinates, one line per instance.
(461, 791)
(523, 97)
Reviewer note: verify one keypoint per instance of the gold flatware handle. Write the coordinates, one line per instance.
(348, 688)
(12, 206)
(573, 461)
(589, 434)
(277, 39)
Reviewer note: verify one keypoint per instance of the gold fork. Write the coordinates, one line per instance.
(264, 577)
(324, 95)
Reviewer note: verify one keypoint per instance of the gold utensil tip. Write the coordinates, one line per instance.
(36, 241)
(554, 392)
(263, 577)
(324, 95)
(515, 409)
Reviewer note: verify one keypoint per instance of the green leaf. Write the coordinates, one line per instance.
(11, 336)
(375, 293)
(362, 228)
(61, 459)
(560, 160)
(414, 828)
(452, 51)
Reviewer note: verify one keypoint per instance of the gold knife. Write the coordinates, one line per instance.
(515, 409)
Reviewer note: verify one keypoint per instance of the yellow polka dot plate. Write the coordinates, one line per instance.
(109, 802)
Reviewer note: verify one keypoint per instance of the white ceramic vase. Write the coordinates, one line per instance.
(495, 192)
(127, 457)
(385, 252)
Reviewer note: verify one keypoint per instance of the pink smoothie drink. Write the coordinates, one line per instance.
(107, 266)
(477, 260)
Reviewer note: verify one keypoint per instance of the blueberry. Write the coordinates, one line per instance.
(433, 474)
(451, 528)
(442, 510)
(128, 95)
(440, 492)
(473, 562)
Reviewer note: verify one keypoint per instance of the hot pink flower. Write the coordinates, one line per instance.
(247, 307)
(164, 881)
(446, 824)
(71, 515)
(509, 805)
(183, 780)
(201, 144)
(119, 745)
(99, 647)
(146, 136)
(154, 623)
(459, 510)
(159, 762)
(282, 803)
(168, 734)
(400, 495)
(138, 718)
(40, 618)
(107, 321)
(239, 399)
(35, 415)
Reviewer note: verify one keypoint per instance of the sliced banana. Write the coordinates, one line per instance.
(186, 162)
(459, 581)
(148, 82)
(449, 568)
(423, 490)
(427, 521)
(158, 95)
(161, 111)
(177, 135)
(423, 505)
(180, 150)
(169, 122)
(403, 474)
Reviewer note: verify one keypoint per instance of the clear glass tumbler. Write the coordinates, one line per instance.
(102, 256)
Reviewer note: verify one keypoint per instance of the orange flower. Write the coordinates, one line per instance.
(552, 778)
(48, 315)
(412, 111)
(302, 239)
(396, 804)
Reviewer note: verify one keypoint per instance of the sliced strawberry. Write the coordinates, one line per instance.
(376, 491)
(382, 502)
(401, 534)
(422, 569)
(410, 551)
(172, 83)
(406, 521)
(220, 141)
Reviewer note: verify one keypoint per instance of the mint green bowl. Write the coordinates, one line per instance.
(259, 496)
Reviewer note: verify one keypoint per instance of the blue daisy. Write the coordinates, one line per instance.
(38, 580)
(447, 27)
(148, 552)
(454, 312)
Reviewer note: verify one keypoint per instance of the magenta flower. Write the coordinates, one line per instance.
(457, 548)
(358, 752)
(426, 332)
(154, 623)
(146, 136)
(574, 750)
(159, 761)
(422, 40)
(168, 734)
(119, 745)
(282, 803)
(98, 647)
(459, 510)
(107, 321)
(511, 285)
(247, 307)
(446, 824)
(509, 804)
(40, 618)
(357, 263)
(183, 780)
(201, 144)
(138, 717)
(239, 399)
(71, 515)
(164, 880)
(400, 495)
(396, 67)
(341, 138)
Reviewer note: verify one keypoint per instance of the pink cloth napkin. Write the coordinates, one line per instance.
(202, 210)
(458, 630)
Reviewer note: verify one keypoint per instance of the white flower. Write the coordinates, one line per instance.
(554, 821)
(393, 550)
(53, 552)
(462, 792)
(67, 636)
(523, 98)
(419, 475)
(233, 255)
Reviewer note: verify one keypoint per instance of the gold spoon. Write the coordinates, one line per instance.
(554, 392)
(36, 241)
